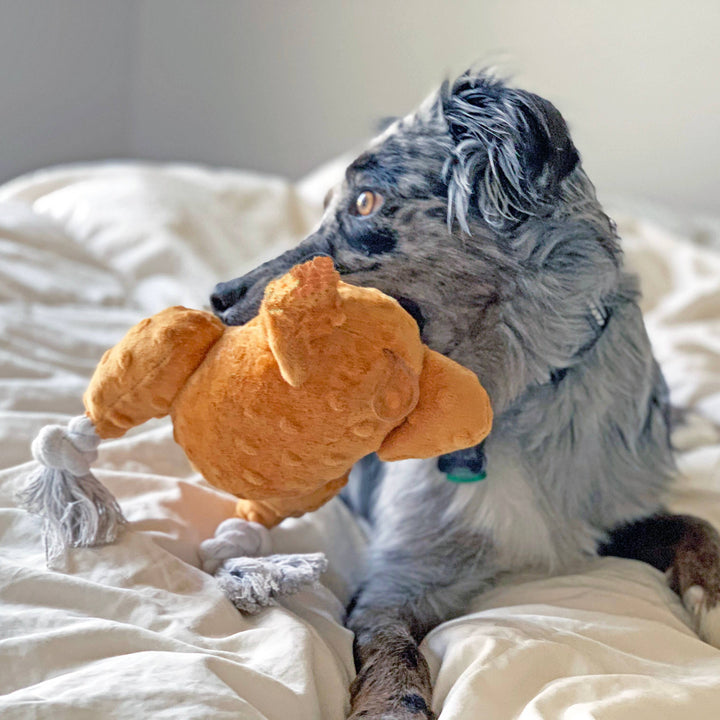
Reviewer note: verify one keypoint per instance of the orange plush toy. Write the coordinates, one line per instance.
(275, 411)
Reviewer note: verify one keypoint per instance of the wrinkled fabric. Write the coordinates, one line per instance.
(136, 629)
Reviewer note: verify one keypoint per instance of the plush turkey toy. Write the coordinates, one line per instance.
(275, 411)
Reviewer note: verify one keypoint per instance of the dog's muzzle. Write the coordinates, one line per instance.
(237, 301)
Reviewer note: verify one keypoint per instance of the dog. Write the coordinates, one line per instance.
(474, 212)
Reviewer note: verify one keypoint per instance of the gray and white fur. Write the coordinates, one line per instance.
(490, 233)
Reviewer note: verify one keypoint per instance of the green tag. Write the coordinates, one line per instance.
(465, 476)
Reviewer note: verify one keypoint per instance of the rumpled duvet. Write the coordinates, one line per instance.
(136, 629)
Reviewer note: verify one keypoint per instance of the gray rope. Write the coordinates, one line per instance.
(72, 448)
(77, 510)
(254, 583)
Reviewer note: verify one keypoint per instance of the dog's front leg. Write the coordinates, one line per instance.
(393, 679)
(409, 591)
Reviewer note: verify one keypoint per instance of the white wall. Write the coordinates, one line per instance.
(282, 85)
(64, 81)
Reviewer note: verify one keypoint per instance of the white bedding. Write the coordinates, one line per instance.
(137, 630)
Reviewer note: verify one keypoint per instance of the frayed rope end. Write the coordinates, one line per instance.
(77, 510)
(254, 583)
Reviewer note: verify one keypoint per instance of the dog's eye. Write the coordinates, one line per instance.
(368, 202)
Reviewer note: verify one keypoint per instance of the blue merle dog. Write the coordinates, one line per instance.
(476, 214)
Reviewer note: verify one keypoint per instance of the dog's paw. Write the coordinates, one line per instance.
(233, 538)
(705, 611)
(408, 707)
(391, 688)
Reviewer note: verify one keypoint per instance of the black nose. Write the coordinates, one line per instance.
(227, 294)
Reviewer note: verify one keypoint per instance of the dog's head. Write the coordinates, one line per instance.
(475, 214)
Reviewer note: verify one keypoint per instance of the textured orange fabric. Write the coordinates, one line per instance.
(453, 412)
(277, 411)
(139, 378)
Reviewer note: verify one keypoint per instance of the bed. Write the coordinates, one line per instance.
(136, 629)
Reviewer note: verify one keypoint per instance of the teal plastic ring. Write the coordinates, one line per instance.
(466, 478)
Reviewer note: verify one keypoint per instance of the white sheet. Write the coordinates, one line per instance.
(136, 629)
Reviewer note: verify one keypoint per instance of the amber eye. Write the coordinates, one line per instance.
(367, 202)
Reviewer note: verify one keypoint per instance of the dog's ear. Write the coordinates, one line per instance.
(512, 150)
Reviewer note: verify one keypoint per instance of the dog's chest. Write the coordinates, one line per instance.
(518, 516)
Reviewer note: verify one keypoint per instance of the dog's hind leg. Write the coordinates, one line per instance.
(687, 550)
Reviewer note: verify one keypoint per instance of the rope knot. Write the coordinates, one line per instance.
(72, 448)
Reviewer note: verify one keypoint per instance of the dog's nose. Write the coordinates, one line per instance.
(227, 294)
